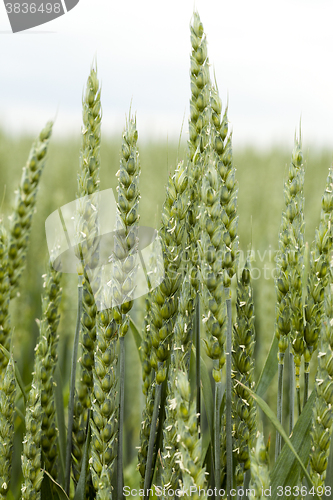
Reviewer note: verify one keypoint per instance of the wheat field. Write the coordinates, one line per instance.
(215, 382)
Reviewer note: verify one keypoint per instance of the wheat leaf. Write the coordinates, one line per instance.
(60, 412)
(286, 468)
(269, 370)
(80, 492)
(271, 416)
(136, 335)
(48, 492)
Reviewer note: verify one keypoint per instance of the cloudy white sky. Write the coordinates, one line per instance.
(272, 58)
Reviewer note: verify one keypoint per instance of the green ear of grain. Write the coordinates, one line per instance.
(7, 412)
(5, 329)
(80, 492)
(21, 219)
(52, 488)
(270, 369)
(18, 376)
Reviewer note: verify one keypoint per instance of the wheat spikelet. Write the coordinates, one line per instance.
(104, 424)
(221, 144)
(127, 224)
(190, 446)
(260, 479)
(21, 219)
(87, 225)
(45, 363)
(289, 308)
(318, 274)
(180, 357)
(244, 410)
(164, 298)
(7, 407)
(211, 247)
(4, 299)
(199, 130)
(322, 425)
(32, 451)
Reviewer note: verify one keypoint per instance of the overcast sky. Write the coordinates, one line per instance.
(272, 58)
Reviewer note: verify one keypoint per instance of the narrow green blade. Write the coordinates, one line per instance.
(273, 419)
(49, 485)
(286, 469)
(269, 370)
(80, 492)
(136, 335)
(207, 394)
(60, 413)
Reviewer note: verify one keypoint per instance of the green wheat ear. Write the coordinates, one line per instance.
(211, 248)
(40, 442)
(32, 451)
(45, 362)
(165, 296)
(260, 480)
(223, 158)
(104, 424)
(126, 238)
(323, 414)
(199, 136)
(21, 219)
(244, 410)
(163, 300)
(190, 446)
(318, 277)
(7, 410)
(4, 299)
(289, 307)
(180, 357)
(87, 224)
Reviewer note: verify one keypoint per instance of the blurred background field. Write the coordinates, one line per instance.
(260, 176)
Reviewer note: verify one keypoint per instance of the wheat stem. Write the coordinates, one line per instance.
(121, 417)
(72, 386)
(148, 469)
(229, 392)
